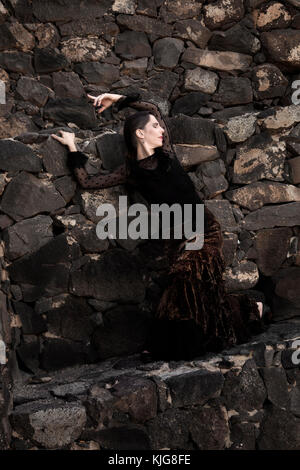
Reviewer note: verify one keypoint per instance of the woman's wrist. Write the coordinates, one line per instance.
(72, 147)
(126, 100)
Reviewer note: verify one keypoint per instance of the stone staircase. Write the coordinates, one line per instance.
(247, 397)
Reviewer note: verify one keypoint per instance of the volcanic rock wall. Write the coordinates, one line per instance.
(246, 398)
(224, 75)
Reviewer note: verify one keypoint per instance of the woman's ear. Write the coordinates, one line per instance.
(139, 133)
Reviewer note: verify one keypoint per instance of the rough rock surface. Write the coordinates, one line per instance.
(122, 403)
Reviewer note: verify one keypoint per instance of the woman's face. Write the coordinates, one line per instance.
(152, 134)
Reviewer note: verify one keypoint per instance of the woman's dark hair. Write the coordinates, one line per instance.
(132, 123)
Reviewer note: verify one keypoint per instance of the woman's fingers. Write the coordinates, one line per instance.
(93, 98)
(66, 137)
(57, 138)
(97, 99)
(103, 108)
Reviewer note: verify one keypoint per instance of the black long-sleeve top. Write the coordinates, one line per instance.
(160, 178)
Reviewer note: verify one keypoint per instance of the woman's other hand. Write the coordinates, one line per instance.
(67, 138)
(105, 100)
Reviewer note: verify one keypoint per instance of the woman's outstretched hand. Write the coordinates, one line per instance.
(67, 138)
(105, 100)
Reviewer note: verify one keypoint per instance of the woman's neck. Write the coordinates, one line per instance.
(144, 151)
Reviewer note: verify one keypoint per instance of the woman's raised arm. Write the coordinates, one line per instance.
(105, 100)
(99, 181)
(76, 161)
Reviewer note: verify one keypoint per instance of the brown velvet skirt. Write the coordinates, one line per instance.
(195, 314)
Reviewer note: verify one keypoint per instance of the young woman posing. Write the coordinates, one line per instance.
(195, 314)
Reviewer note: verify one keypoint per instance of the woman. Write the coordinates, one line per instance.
(195, 314)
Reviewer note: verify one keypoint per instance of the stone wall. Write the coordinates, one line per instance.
(246, 398)
(222, 74)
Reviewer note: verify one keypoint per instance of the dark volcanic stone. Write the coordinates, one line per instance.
(28, 355)
(170, 429)
(275, 215)
(26, 195)
(228, 113)
(124, 331)
(162, 83)
(273, 15)
(282, 47)
(190, 103)
(268, 81)
(23, 11)
(120, 438)
(276, 384)
(66, 186)
(17, 62)
(147, 7)
(93, 26)
(32, 323)
(137, 396)
(87, 238)
(54, 157)
(221, 141)
(242, 436)
(287, 283)
(48, 60)
(235, 39)
(188, 130)
(27, 236)
(179, 10)
(30, 138)
(193, 30)
(245, 391)
(14, 36)
(16, 156)
(296, 22)
(33, 91)
(132, 44)
(114, 276)
(234, 90)
(268, 162)
(78, 111)
(221, 13)
(144, 24)
(280, 430)
(71, 320)
(5, 221)
(167, 51)
(111, 149)
(67, 85)
(49, 423)
(54, 10)
(272, 246)
(195, 388)
(45, 272)
(208, 427)
(97, 73)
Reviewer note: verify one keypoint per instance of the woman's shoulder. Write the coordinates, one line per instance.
(161, 152)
